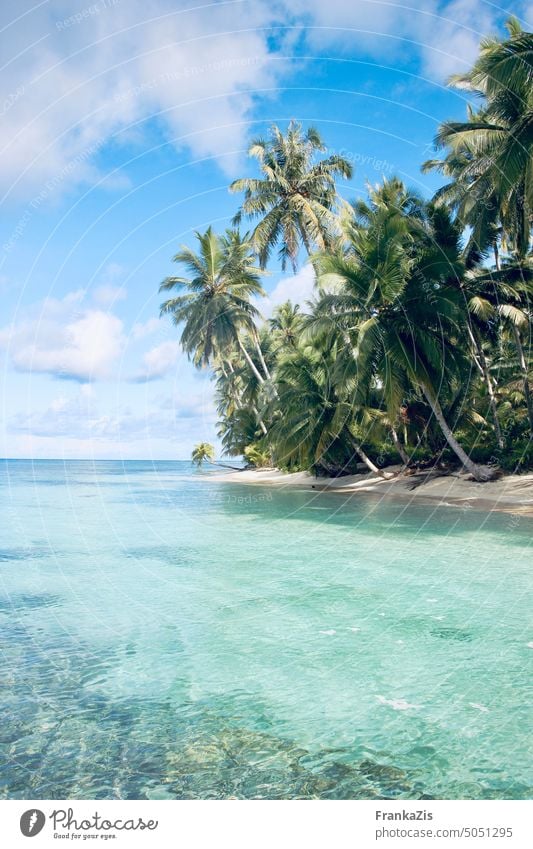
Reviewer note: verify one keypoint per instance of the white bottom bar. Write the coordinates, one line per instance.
(264, 825)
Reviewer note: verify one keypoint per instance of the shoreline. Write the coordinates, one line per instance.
(509, 494)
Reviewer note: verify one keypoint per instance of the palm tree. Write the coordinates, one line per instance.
(314, 428)
(504, 294)
(296, 197)
(491, 154)
(216, 305)
(489, 162)
(286, 325)
(202, 452)
(400, 319)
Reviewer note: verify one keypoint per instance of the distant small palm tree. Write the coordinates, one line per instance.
(203, 452)
(296, 197)
(286, 325)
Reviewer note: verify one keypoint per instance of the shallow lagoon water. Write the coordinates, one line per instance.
(166, 635)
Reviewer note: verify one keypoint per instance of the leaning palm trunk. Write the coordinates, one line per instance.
(480, 473)
(260, 420)
(481, 362)
(260, 379)
(525, 378)
(261, 357)
(399, 447)
(366, 460)
(250, 362)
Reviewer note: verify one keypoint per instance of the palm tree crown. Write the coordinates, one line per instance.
(490, 156)
(296, 197)
(216, 303)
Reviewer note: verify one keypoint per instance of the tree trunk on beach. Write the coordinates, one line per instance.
(525, 378)
(480, 473)
(399, 447)
(481, 362)
(366, 460)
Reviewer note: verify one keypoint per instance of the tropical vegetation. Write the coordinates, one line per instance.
(416, 348)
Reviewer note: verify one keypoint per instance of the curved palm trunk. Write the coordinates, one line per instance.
(366, 460)
(261, 357)
(480, 473)
(249, 360)
(399, 447)
(525, 378)
(224, 466)
(260, 420)
(261, 380)
(481, 362)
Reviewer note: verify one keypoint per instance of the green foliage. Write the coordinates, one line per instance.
(295, 199)
(257, 456)
(202, 452)
(519, 458)
(414, 350)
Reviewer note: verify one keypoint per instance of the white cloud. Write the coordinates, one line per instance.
(78, 417)
(157, 362)
(297, 288)
(76, 80)
(450, 44)
(81, 75)
(65, 415)
(444, 35)
(66, 340)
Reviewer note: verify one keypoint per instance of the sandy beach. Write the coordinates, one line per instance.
(511, 493)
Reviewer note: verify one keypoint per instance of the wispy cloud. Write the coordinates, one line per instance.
(78, 78)
(157, 362)
(297, 288)
(75, 81)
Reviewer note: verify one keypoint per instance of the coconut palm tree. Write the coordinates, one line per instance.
(504, 294)
(400, 319)
(202, 452)
(216, 306)
(490, 156)
(286, 325)
(314, 428)
(296, 197)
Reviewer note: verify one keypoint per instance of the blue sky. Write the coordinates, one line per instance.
(123, 123)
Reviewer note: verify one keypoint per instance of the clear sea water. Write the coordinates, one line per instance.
(166, 635)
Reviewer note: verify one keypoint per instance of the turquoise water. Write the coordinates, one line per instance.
(165, 635)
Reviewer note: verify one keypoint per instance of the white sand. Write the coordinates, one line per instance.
(512, 493)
